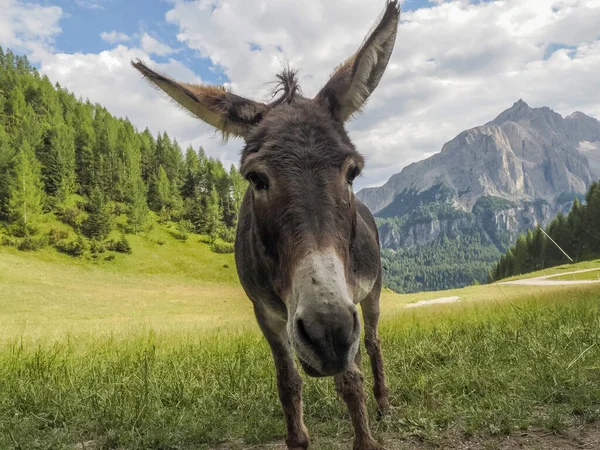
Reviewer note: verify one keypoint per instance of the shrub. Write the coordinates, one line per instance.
(21, 229)
(32, 243)
(10, 241)
(56, 234)
(121, 246)
(220, 246)
(184, 228)
(72, 216)
(227, 234)
(78, 247)
(97, 246)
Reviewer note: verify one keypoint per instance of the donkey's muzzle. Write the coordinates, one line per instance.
(326, 340)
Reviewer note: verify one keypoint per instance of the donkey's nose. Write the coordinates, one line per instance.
(329, 335)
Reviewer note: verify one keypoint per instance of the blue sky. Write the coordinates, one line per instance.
(85, 21)
(456, 64)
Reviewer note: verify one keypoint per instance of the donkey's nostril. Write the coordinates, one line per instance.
(302, 333)
(356, 321)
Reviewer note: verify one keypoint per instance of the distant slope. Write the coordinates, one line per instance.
(163, 284)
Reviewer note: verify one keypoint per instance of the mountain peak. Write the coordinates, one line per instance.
(578, 115)
(520, 104)
(518, 111)
(523, 154)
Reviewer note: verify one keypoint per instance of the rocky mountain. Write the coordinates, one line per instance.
(532, 158)
(470, 201)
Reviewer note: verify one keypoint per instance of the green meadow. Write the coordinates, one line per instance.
(159, 350)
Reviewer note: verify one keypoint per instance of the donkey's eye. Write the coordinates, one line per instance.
(258, 180)
(352, 174)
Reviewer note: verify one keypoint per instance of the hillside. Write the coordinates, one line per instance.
(71, 175)
(444, 220)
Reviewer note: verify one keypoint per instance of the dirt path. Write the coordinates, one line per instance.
(547, 281)
(583, 437)
(434, 301)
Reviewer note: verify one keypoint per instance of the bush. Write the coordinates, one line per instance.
(78, 247)
(121, 246)
(97, 246)
(220, 246)
(22, 230)
(31, 243)
(56, 234)
(72, 216)
(10, 241)
(109, 258)
(227, 234)
(184, 228)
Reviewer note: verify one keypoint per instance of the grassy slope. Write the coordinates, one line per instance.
(171, 285)
(558, 270)
(159, 350)
(592, 275)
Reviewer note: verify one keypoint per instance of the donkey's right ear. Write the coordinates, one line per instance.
(229, 113)
(355, 80)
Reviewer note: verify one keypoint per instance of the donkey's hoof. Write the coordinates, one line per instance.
(385, 411)
(367, 446)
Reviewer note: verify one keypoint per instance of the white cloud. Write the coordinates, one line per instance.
(456, 65)
(28, 28)
(112, 37)
(90, 4)
(109, 79)
(154, 47)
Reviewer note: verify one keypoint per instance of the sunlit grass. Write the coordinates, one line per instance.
(161, 351)
(591, 275)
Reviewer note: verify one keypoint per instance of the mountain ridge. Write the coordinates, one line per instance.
(523, 154)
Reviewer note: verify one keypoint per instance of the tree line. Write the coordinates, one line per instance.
(577, 233)
(459, 256)
(65, 156)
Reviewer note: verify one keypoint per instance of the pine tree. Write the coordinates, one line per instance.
(26, 194)
(58, 160)
(98, 224)
(7, 162)
(521, 257)
(138, 209)
(212, 213)
(85, 140)
(190, 187)
(592, 220)
(575, 221)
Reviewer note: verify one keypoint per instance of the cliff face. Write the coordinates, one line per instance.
(531, 161)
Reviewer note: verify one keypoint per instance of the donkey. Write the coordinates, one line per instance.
(307, 250)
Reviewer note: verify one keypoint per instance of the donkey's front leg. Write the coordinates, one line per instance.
(370, 310)
(349, 385)
(289, 382)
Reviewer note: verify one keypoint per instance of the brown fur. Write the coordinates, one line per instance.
(299, 151)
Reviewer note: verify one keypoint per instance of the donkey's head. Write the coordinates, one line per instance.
(301, 165)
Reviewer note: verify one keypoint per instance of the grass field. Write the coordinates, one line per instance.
(557, 270)
(159, 350)
(591, 275)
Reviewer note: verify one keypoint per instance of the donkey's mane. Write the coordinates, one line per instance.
(287, 89)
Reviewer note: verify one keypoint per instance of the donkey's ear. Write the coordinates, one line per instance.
(351, 84)
(230, 113)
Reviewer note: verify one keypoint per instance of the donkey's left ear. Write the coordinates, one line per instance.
(353, 82)
(229, 113)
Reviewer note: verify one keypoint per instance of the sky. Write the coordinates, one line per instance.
(456, 64)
